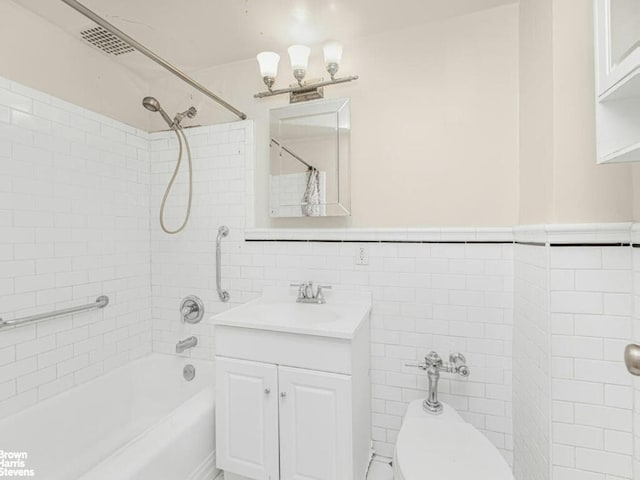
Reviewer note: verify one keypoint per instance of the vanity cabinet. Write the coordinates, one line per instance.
(617, 60)
(293, 393)
(281, 422)
(247, 418)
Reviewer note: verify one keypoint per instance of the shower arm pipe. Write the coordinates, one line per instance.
(297, 157)
(224, 296)
(91, 15)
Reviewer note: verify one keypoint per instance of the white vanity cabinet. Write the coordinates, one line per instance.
(306, 413)
(293, 392)
(617, 59)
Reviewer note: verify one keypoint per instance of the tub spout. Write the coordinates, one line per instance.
(182, 345)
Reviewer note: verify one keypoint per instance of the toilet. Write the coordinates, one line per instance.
(445, 447)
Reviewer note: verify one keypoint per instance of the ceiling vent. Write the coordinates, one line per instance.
(105, 41)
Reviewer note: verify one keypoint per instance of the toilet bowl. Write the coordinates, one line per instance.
(445, 447)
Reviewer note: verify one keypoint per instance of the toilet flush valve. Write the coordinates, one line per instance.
(433, 364)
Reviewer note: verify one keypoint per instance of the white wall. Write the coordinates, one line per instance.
(531, 364)
(636, 339)
(559, 179)
(591, 317)
(447, 297)
(74, 224)
(184, 264)
(40, 55)
(434, 121)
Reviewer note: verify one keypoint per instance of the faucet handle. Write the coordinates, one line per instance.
(302, 289)
(319, 292)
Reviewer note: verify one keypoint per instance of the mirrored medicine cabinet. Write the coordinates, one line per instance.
(309, 164)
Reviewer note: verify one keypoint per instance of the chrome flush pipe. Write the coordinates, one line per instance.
(433, 364)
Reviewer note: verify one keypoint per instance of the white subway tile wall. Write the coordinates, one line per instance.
(185, 264)
(531, 364)
(74, 224)
(636, 380)
(441, 296)
(79, 203)
(591, 321)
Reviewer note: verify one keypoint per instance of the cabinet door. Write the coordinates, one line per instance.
(618, 41)
(247, 418)
(315, 425)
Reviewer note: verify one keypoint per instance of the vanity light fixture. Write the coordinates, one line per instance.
(299, 58)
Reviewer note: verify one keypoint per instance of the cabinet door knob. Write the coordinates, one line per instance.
(283, 394)
(267, 391)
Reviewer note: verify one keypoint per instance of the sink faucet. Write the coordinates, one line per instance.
(307, 294)
(182, 345)
(433, 364)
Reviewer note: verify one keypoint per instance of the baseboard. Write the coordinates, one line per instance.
(207, 469)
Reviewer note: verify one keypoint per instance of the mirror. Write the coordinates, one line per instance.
(309, 159)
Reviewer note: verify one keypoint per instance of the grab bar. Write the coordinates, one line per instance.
(223, 231)
(101, 302)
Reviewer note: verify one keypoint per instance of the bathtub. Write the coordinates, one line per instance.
(142, 421)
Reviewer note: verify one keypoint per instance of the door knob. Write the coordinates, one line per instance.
(283, 394)
(632, 359)
(267, 391)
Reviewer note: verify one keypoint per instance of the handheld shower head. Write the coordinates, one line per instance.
(153, 105)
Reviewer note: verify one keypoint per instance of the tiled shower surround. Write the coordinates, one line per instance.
(74, 224)
(79, 201)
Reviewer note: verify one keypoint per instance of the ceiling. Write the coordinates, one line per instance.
(196, 34)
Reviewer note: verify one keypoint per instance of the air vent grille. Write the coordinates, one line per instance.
(105, 41)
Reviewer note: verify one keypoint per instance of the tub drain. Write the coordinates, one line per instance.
(189, 372)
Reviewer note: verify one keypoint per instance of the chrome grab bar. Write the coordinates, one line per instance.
(101, 302)
(223, 231)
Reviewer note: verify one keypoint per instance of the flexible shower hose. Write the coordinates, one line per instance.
(180, 134)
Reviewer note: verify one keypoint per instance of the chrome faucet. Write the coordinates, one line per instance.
(182, 345)
(433, 364)
(307, 294)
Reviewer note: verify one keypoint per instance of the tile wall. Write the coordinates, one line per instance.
(185, 264)
(74, 224)
(447, 297)
(591, 308)
(531, 363)
(79, 202)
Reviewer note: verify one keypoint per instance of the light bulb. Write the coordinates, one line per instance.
(332, 57)
(268, 62)
(299, 56)
(332, 53)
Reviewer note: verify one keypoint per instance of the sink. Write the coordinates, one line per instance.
(265, 312)
(276, 310)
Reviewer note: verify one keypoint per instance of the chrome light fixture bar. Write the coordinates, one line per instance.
(299, 58)
(91, 15)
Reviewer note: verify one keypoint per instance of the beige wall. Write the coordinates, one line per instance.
(485, 119)
(560, 181)
(434, 138)
(536, 111)
(38, 54)
(584, 191)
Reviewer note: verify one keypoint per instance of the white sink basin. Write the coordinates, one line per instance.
(277, 310)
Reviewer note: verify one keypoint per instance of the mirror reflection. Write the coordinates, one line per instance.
(309, 159)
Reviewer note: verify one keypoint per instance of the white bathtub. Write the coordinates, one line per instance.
(142, 421)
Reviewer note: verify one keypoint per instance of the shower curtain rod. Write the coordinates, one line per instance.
(297, 157)
(91, 15)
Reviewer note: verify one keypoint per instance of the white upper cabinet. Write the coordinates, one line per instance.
(618, 35)
(617, 55)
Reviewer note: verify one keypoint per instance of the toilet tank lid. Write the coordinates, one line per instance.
(431, 448)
